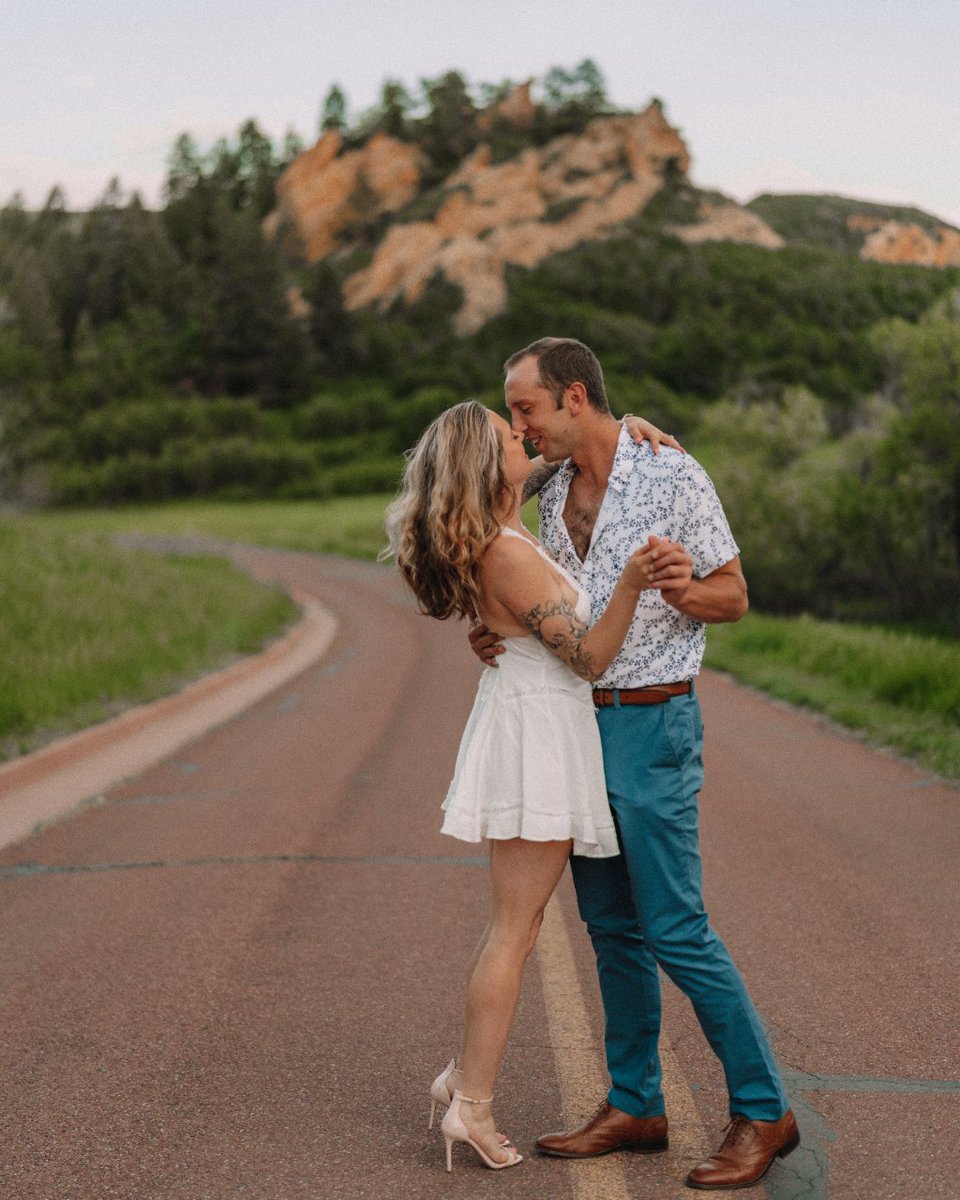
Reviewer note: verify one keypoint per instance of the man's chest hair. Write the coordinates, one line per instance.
(580, 514)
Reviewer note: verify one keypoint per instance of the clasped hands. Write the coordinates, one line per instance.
(662, 565)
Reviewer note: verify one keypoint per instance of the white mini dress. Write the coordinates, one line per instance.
(530, 763)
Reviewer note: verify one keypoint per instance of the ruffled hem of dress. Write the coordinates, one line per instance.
(589, 839)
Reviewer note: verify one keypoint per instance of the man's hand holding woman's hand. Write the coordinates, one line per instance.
(672, 569)
(662, 565)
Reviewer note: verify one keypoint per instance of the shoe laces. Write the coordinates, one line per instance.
(737, 1131)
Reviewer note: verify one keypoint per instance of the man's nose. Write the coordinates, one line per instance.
(517, 423)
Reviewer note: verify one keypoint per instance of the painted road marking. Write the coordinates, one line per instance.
(575, 1042)
(27, 870)
(583, 1080)
(688, 1138)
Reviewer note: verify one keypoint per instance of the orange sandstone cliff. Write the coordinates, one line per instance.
(576, 188)
(905, 242)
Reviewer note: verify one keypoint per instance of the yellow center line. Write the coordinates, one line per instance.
(583, 1080)
(575, 1043)
(688, 1138)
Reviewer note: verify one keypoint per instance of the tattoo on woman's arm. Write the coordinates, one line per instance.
(538, 478)
(566, 640)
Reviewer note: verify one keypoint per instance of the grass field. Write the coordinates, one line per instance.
(349, 525)
(86, 629)
(900, 689)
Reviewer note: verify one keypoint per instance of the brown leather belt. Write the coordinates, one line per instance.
(656, 693)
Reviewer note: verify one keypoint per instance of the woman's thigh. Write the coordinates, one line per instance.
(524, 875)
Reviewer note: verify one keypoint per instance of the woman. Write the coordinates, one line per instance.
(529, 773)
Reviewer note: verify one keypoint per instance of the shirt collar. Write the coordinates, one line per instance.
(622, 469)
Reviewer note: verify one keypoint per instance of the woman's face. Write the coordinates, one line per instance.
(516, 465)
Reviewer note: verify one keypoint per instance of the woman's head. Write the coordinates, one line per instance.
(458, 485)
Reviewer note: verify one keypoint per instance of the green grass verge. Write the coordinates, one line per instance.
(86, 629)
(900, 689)
(349, 525)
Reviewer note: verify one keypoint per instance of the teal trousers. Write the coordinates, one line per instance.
(644, 909)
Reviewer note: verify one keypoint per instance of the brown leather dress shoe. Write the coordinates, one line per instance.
(747, 1153)
(608, 1129)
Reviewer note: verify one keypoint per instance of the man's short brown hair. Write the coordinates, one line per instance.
(561, 362)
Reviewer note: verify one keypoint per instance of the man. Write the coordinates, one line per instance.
(644, 908)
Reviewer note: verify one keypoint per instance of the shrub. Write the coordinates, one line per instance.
(359, 478)
(234, 467)
(147, 426)
(409, 418)
(334, 415)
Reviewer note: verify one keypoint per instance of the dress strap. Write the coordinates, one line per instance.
(535, 545)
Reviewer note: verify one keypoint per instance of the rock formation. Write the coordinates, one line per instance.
(905, 242)
(516, 109)
(728, 222)
(574, 189)
(489, 214)
(323, 192)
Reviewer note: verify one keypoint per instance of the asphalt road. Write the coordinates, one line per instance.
(236, 974)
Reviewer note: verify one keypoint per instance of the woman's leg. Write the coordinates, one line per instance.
(471, 967)
(523, 876)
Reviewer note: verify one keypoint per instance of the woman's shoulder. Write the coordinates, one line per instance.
(512, 555)
(509, 547)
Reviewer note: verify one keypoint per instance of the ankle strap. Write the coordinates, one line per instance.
(458, 1095)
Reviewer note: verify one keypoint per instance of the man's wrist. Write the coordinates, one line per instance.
(677, 598)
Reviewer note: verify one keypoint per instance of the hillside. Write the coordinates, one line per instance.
(377, 211)
(373, 208)
(875, 232)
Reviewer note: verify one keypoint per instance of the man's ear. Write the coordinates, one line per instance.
(576, 399)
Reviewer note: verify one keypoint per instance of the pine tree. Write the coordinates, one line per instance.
(334, 113)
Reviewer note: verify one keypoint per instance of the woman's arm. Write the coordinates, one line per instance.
(645, 431)
(541, 475)
(517, 578)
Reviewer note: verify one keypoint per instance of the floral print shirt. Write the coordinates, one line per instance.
(669, 495)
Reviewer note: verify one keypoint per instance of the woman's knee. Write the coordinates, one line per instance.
(535, 927)
(517, 934)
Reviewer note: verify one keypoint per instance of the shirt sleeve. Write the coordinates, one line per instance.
(702, 526)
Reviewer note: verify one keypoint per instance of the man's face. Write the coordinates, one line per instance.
(534, 412)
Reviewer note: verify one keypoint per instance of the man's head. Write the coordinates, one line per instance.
(552, 387)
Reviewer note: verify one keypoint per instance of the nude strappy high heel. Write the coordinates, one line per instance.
(439, 1092)
(454, 1130)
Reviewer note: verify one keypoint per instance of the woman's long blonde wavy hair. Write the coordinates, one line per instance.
(446, 514)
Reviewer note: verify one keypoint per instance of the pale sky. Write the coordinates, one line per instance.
(860, 97)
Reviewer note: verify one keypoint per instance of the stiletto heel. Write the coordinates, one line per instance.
(439, 1092)
(454, 1130)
